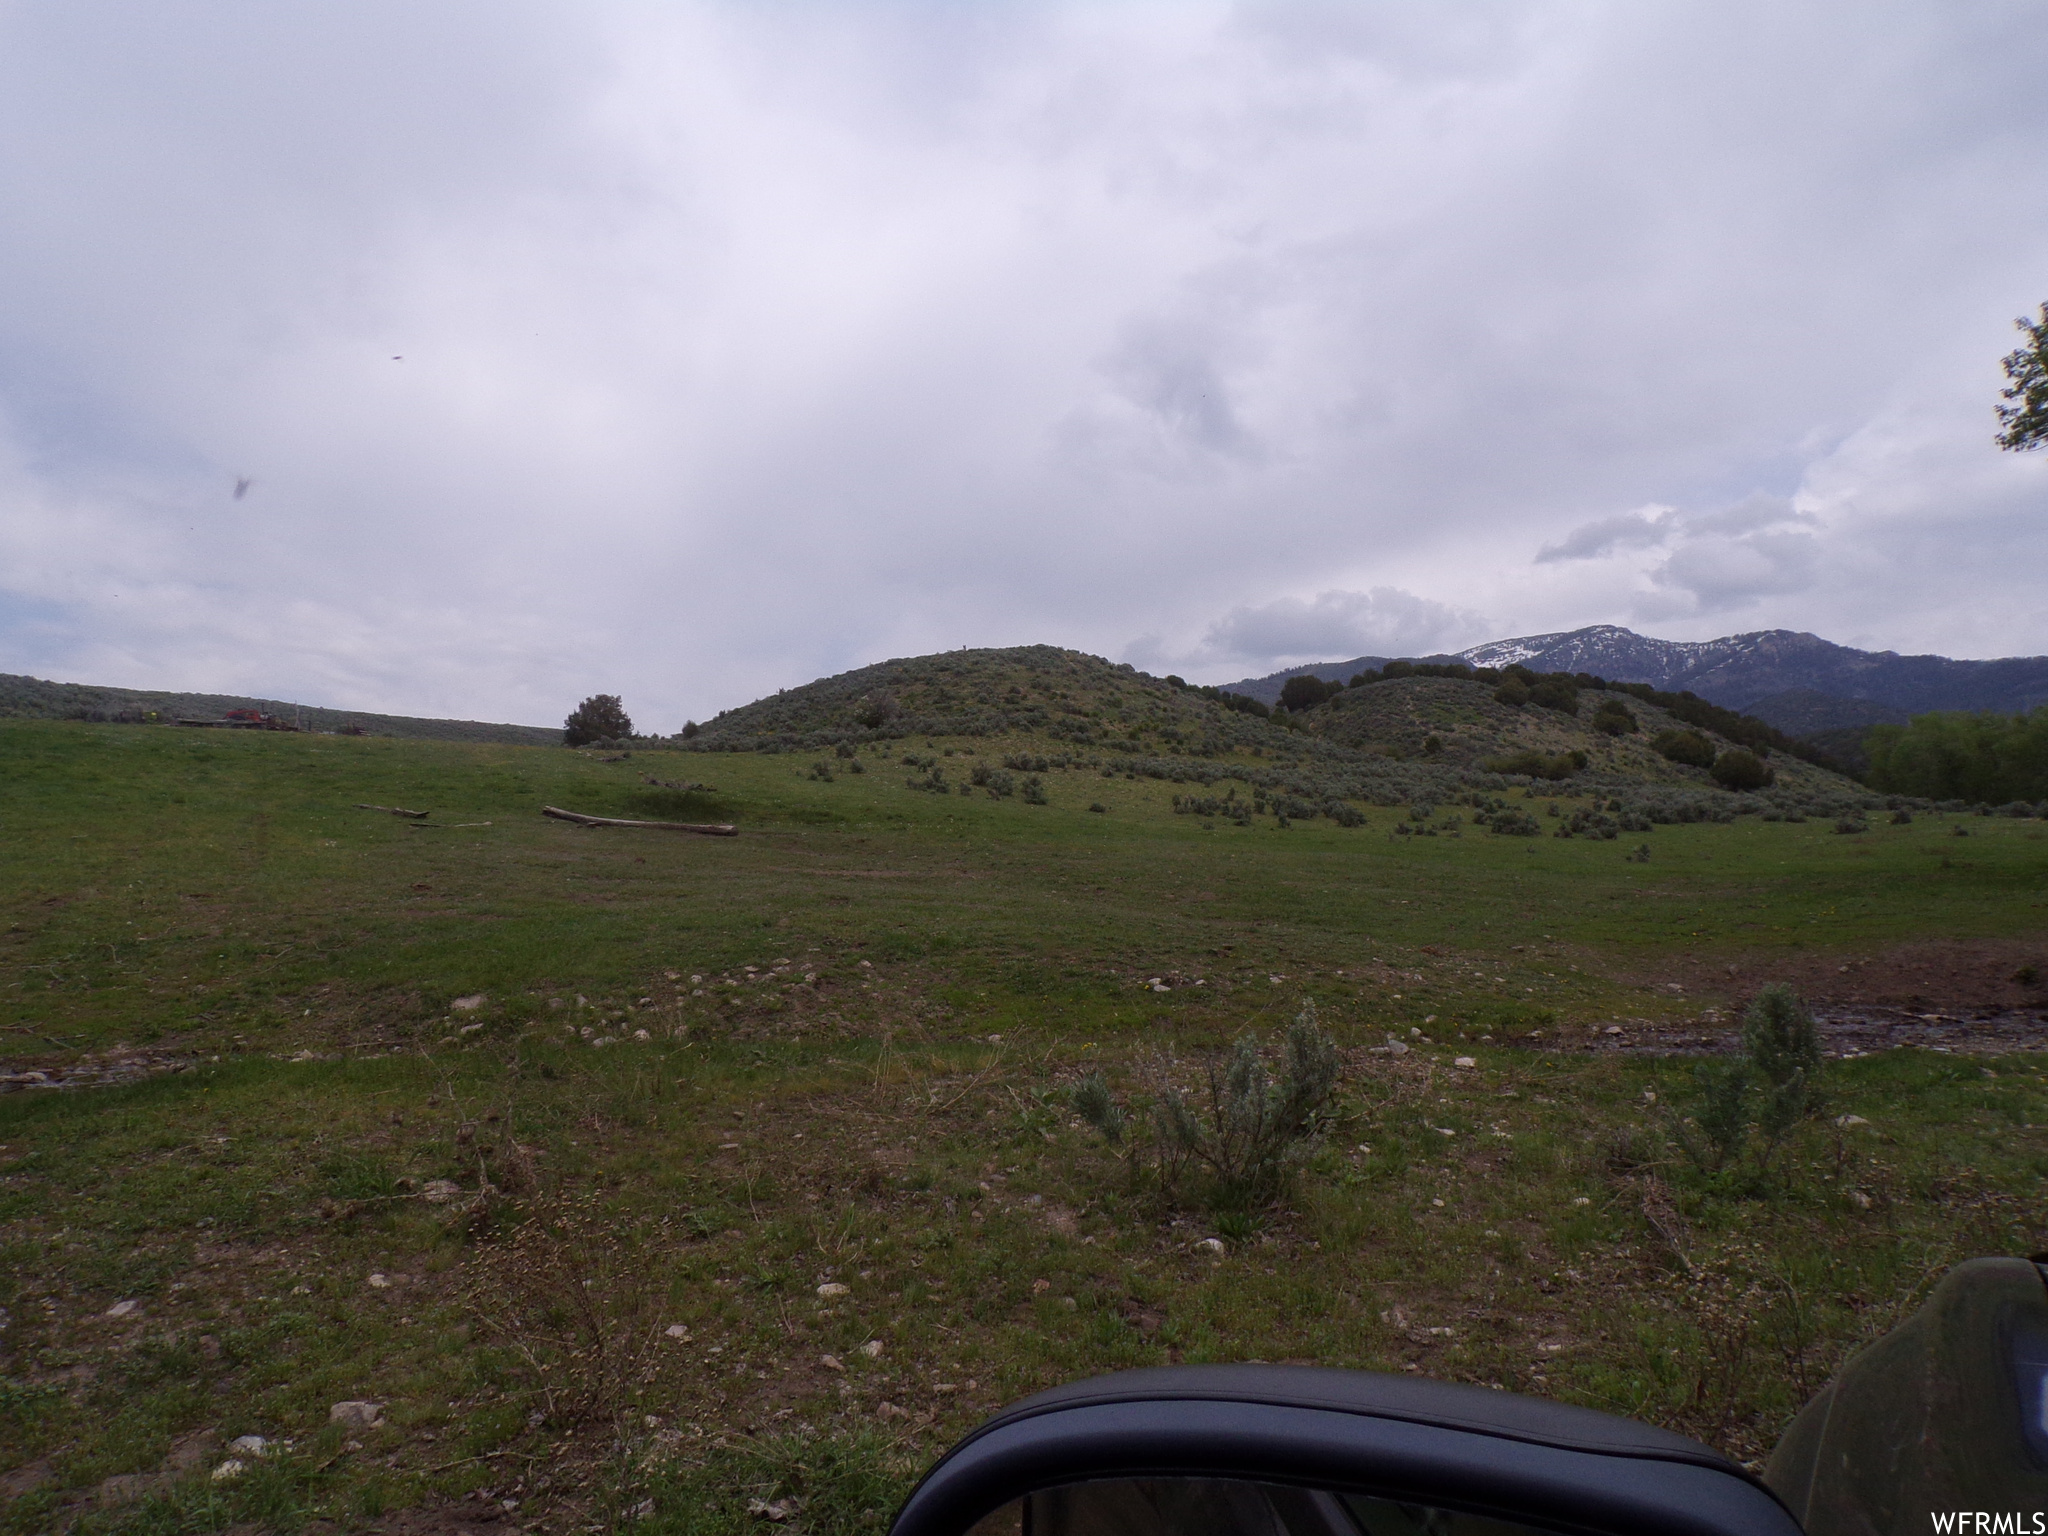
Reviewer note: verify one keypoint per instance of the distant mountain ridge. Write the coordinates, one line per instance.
(1796, 681)
(32, 698)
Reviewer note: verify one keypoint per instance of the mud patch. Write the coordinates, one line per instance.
(1846, 1031)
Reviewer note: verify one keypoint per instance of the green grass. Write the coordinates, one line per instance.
(896, 1123)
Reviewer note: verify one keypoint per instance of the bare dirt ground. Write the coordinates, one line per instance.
(1982, 997)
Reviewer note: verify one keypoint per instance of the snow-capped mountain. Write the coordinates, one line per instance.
(1768, 673)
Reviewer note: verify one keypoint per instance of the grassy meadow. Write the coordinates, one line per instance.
(545, 1139)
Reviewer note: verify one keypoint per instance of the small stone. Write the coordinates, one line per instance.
(1445, 1130)
(1859, 1199)
(356, 1414)
(641, 1034)
(1211, 1245)
(1845, 1121)
(1396, 1047)
(249, 1445)
(380, 1282)
(471, 1003)
(435, 1192)
(677, 1331)
(1040, 1287)
(778, 1511)
(832, 1362)
(1582, 1200)
(1437, 1203)
(1612, 1029)
(124, 1309)
(872, 1349)
(832, 1288)
(229, 1470)
(1466, 1061)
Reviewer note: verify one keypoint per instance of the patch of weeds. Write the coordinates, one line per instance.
(823, 1485)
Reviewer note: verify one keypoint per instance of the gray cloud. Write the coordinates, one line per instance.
(1603, 536)
(744, 343)
(1337, 626)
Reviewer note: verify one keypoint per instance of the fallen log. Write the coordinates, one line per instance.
(393, 810)
(708, 829)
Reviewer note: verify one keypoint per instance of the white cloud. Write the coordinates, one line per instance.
(742, 344)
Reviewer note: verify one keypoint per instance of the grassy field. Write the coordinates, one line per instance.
(677, 1084)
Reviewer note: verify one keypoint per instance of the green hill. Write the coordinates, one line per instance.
(31, 698)
(1406, 740)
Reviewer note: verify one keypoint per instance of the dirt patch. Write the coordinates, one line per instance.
(1845, 1031)
(1929, 976)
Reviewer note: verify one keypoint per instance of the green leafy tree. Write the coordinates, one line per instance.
(601, 717)
(1952, 755)
(2026, 419)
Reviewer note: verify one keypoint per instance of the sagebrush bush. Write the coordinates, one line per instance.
(1239, 1140)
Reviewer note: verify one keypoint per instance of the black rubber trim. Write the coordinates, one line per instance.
(1522, 1478)
(1413, 1399)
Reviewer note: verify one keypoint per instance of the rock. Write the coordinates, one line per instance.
(1466, 1061)
(380, 1282)
(1582, 1200)
(888, 1410)
(1612, 1029)
(229, 1470)
(249, 1445)
(1396, 1047)
(435, 1192)
(356, 1414)
(778, 1511)
(474, 1001)
(641, 1034)
(677, 1331)
(872, 1349)
(832, 1362)
(832, 1288)
(1845, 1121)
(124, 1309)
(1212, 1245)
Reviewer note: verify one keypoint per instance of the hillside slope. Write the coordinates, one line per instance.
(32, 698)
(1402, 741)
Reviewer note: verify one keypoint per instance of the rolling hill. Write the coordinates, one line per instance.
(32, 698)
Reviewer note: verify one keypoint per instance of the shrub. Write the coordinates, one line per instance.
(1514, 693)
(1243, 1141)
(601, 717)
(1536, 764)
(1688, 747)
(1507, 823)
(1306, 692)
(1033, 791)
(1613, 717)
(1745, 1110)
(878, 708)
(1738, 768)
(1555, 693)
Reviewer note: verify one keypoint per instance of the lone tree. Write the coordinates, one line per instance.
(601, 717)
(2026, 422)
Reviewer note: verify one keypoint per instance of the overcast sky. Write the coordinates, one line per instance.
(689, 351)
